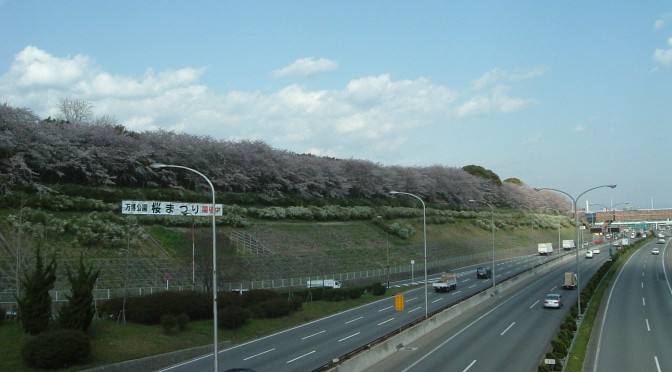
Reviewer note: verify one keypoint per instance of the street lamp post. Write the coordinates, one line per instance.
(424, 230)
(576, 230)
(492, 225)
(214, 251)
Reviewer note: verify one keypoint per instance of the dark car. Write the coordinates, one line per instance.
(483, 272)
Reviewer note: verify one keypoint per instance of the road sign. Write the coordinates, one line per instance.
(399, 302)
(163, 208)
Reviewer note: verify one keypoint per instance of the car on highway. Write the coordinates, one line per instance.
(553, 300)
(589, 254)
(661, 241)
(483, 272)
(655, 250)
(596, 251)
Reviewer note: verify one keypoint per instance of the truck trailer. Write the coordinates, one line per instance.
(571, 280)
(328, 283)
(568, 244)
(447, 282)
(545, 248)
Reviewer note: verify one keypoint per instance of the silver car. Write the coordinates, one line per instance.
(553, 300)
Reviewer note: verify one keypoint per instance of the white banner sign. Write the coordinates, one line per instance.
(162, 208)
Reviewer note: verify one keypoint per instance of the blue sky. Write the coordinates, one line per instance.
(568, 95)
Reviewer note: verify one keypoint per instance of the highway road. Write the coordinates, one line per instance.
(312, 345)
(512, 333)
(633, 332)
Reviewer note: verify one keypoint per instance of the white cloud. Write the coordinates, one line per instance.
(497, 75)
(664, 56)
(370, 117)
(497, 102)
(660, 22)
(533, 139)
(578, 128)
(306, 67)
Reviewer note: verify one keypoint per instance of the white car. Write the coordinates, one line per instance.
(661, 241)
(596, 251)
(655, 250)
(589, 254)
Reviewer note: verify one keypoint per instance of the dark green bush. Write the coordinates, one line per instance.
(57, 349)
(182, 321)
(378, 289)
(559, 347)
(168, 323)
(232, 317)
(257, 296)
(150, 308)
(273, 308)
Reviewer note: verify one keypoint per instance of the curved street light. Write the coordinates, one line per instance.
(576, 230)
(159, 166)
(492, 224)
(424, 230)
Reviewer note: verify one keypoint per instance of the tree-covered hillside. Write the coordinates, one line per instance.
(37, 153)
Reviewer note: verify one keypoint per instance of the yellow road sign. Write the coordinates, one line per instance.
(399, 302)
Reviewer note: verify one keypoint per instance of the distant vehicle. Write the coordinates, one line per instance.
(568, 244)
(661, 241)
(660, 235)
(328, 283)
(633, 235)
(589, 254)
(483, 272)
(447, 282)
(625, 241)
(571, 280)
(596, 250)
(655, 251)
(553, 300)
(545, 248)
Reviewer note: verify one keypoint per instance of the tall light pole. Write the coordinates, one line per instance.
(576, 230)
(214, 251)
(492, 225)
(424, 230)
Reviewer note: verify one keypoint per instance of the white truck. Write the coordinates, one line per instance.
(328, 283)
(625, 242)
(447, 282)
(568, 245)
(545, 248)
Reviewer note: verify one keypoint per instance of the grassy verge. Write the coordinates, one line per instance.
(114, 342)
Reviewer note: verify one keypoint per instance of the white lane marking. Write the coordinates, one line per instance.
(657, 364)
(534, 304)
(507, 328)
(648, 328)
(643, 302)
(456, 292)
(262, 353)
(554, 287)
(417, 308)
(345, 338)
(472, 286)
(642, 284)
(353, 320)
(437, 300)
(469, 366)
(299, 357)
(411, 299)
(385, 308)
(314, 334)
(389, 320)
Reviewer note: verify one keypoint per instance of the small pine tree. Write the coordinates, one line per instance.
(35, 304)
(78, 312)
